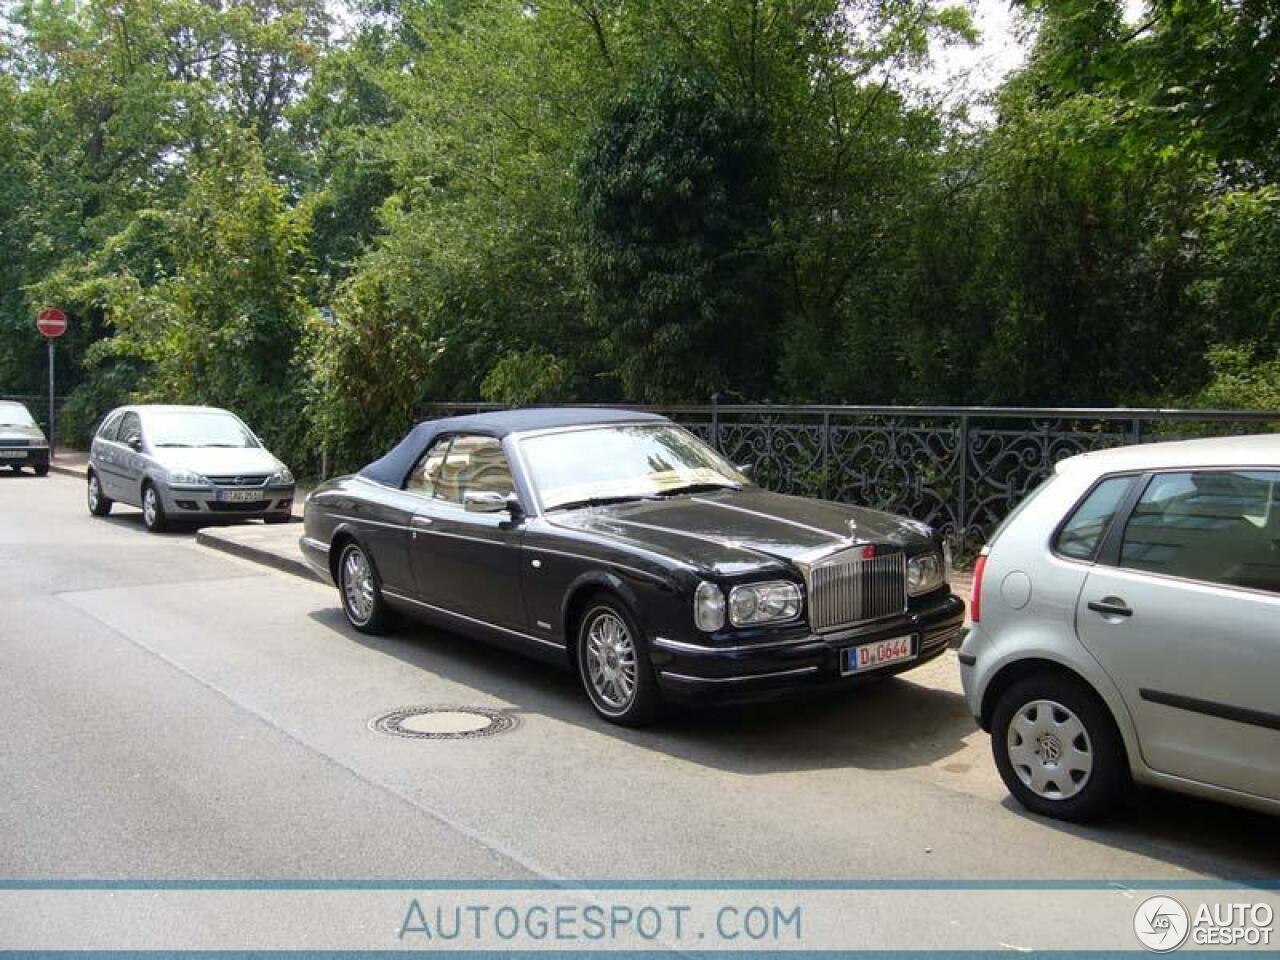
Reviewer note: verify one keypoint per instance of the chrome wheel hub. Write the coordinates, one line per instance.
(1049, 750)
(357, 585)
(149, 506)
(93, 493)
(611, 661)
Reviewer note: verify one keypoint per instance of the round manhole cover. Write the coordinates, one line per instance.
(444, 723)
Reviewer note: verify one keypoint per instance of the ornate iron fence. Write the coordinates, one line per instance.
(960, 469)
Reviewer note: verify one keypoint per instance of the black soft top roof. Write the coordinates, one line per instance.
(394, 467)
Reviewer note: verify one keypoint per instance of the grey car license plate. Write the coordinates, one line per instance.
(12, 454)
(239, 496)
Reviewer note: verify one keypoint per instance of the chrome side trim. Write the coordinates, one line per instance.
(375, 523)
(680, 646)
(483, 623)
(317, 545)
(754, 676)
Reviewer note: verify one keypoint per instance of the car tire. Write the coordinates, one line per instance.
(153, 516)
(1057, 748)
(41, 469)
(360, 589)
(285, 519)
(99, 502)
(613, 664)
(15, 467)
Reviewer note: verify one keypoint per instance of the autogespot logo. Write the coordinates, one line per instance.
(1161, 924)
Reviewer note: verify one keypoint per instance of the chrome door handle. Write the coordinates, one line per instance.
(1110, 607)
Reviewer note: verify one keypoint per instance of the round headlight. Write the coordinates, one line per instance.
(743, 606)
(756, 603)
(708, 607)
(924, 573)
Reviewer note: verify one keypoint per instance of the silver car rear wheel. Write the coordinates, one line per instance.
(99, 502)
(1057, 747)
(1049, 749)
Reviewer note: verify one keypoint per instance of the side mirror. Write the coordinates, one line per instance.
(134, 441)
(746, 469)
(489, 501)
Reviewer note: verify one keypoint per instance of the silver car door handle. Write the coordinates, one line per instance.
(1110, 607)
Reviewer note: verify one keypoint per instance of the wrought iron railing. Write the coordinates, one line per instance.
(960, 469)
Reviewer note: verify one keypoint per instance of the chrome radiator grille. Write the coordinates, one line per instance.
(846, 589)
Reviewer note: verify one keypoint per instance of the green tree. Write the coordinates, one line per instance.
(676, 189)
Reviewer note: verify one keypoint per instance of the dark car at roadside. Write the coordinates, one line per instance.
(22, 442)
(619, 544)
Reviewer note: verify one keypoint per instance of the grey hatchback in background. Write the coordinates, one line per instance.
(1126, 627)
(185, 464)
(22, 442)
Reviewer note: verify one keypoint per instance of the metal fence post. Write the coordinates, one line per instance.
(715, 422)
(962, 518)
(826, 455)
(1137, 430)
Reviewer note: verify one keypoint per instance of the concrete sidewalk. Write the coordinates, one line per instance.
(71, 462)
(273, 546)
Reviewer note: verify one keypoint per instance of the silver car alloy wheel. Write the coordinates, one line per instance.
(95, 494)
(150, 506)
(612, 668)
(1049, 749)
(357, 585)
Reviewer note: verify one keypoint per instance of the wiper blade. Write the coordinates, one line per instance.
(699, 488)
(599, 501)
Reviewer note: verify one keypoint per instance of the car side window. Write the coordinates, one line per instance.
(1081, 535)
(1218, 526)
(474, 465)
(423, 479)
(130, 426)
(109, 426)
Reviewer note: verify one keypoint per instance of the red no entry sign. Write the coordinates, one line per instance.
(52, 322)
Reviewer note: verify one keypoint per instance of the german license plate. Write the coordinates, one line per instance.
(239, 496)
(13, 454)
(882, 653)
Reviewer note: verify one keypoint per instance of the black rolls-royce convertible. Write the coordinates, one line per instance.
(618, 544)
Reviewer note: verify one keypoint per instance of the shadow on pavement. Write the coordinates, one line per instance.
(888, 725)
(1188, 832)
(894, 725)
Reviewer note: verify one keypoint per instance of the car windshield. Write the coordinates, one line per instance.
(211, 428)
(622, 462)
(15, 415)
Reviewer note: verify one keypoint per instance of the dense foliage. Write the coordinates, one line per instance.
(325, 225)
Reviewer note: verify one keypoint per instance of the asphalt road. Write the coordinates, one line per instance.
(171, 712)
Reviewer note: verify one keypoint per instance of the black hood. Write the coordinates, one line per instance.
(736, 531)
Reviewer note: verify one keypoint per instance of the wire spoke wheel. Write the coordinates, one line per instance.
(611, 666)
(358, 589)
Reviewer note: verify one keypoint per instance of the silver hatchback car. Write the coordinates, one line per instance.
(1126, 626)
(185, 464)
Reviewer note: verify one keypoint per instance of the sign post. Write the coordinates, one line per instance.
(52, 323)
